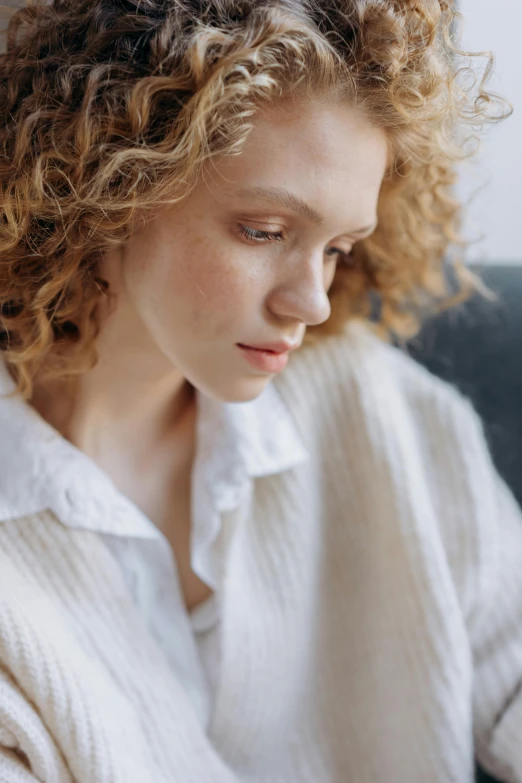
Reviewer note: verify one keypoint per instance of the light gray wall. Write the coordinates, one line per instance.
(495, 214)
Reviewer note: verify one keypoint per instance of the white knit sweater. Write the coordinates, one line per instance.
(371, 627)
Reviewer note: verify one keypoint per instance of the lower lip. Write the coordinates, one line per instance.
(265, 360)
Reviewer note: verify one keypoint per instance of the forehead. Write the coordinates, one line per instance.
(329, 154)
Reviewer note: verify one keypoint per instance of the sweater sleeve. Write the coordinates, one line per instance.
(498, 644)
(12, 768)
(27, 752)
(481, 527)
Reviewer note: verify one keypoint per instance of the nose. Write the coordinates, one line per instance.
(303, 295)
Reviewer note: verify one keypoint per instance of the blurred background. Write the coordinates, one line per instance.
(494, 179)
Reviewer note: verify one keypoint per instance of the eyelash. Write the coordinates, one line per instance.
(256, 235)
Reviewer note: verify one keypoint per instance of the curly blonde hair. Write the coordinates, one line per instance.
(111, 107)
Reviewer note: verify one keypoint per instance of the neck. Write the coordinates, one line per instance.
(131, 402)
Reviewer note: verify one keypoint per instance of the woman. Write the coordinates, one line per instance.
(221, 561)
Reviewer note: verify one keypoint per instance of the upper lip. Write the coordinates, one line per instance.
(280, 347)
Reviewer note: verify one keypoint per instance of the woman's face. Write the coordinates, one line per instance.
(245, 259)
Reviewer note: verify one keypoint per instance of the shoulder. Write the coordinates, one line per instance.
(365, 406)
(392, 420)
(358, 371)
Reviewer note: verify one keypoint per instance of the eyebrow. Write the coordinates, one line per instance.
(290, 201)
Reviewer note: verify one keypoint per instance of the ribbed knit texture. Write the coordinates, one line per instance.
(372, 610)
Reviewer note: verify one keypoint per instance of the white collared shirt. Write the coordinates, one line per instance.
(234, 443)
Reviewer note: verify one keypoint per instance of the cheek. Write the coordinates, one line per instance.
(212, 286)
(188, 279)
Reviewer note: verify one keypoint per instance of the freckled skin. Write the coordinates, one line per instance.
(191, 287)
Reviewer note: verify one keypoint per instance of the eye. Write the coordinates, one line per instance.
(256, 235)
(343, 256)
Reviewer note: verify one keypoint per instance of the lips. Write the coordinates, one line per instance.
(266, 361)
(261, 350)
(279, 347)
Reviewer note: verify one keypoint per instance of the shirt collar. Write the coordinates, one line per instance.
(40, 470)
(236, 442)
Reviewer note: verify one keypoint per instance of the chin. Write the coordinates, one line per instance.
(243, 390)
